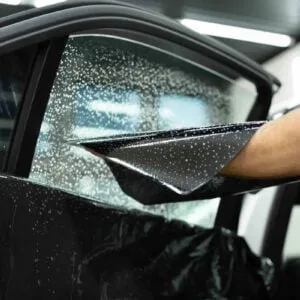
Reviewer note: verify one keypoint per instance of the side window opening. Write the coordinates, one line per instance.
(107, 86)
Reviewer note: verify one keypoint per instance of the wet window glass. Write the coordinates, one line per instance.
(106, 86)
(14, 72)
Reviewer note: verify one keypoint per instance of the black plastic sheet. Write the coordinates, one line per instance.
(58, 246)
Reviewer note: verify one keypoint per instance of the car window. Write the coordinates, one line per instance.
(14, 71)
(106, 86)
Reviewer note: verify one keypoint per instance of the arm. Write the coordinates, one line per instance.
(273, 151)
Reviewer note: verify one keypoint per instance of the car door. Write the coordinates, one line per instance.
(211, 55)
(76, 72)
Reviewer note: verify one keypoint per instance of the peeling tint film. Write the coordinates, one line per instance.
(182, 160)
(107, 86)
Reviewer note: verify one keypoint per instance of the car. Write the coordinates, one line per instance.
(114, 125)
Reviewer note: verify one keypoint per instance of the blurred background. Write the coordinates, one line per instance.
(268, 32)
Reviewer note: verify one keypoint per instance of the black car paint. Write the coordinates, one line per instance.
(59, 246)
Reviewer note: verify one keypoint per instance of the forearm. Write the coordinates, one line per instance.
(273, 151)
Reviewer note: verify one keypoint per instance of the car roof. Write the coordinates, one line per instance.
(6, 9)
(162, 20)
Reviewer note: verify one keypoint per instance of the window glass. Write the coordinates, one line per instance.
(14, 72)
(107, 86)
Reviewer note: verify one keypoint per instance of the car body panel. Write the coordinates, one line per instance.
(59, 246)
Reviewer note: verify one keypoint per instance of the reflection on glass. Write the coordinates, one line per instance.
(99, 112)
(180, 111)
(102, 111)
